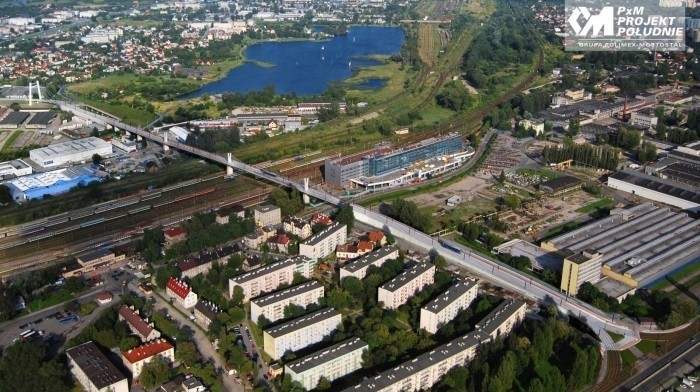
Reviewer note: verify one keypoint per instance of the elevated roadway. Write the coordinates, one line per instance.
(479, 264)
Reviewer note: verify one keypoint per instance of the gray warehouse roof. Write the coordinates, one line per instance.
(369, 258)
(323, 234)
(455, 291)
(43, 118)
(302, 322)
(406, 276)
(95, 364)
(286, 293)
(71, 147)
(657, 184)
(327, 354)
(14, 118)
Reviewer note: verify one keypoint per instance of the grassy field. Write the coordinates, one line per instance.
(628, 359)
(390, 72)
(59, 297)
(690, 270)
(480, 8)
(647, 346)
(616, 337)
(11, 140)
(428, 43)
(596, 205)
(129, 115)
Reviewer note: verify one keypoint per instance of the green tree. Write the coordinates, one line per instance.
(187, 353)
(512, 201)
(96, 159)
(29, 368)
(154, 373)
(346, 216)
(323, 384)
(15, 106)
(128, 342)
(5, 195)
(353, 286)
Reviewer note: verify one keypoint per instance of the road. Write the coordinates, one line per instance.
(674, 363)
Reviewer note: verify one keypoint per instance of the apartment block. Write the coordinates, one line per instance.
(301, 332)
(358, 268)
(324, 242)
(93, 370)
(135, 358)
(181, 292)
(426, 370)
(272, 306)
(332, 363)
(138, 326)
(267, 278)
(267, 215)
(579, 268)
(448, 305)
(205, 312)
(399, 290)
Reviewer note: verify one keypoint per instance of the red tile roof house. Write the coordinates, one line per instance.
(281, 242)
(104, 298)
(181, 292)
(173, 235)
(321, 218)
(137, 325)
(135, 358)
(377, 237)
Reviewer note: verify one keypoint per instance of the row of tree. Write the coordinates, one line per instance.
(583, 154)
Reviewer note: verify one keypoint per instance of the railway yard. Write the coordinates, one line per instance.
(50, 239)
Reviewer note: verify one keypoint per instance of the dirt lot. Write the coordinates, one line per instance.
(468, 189)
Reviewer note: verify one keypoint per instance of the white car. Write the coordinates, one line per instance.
(682, 386)
(693, 379)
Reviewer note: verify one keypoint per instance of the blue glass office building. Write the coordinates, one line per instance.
(379, 165)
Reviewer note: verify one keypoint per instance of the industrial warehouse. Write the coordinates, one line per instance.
(639, 246)
(36, 186)
(385, 167)
(78, 151)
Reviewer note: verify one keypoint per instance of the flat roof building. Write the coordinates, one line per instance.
(267, 278)
(639, 245)
(74, 151)
(656, 189)
(41, 120)
(36, 186)
(94, 371)
(267, 215)
(560, 185)
(16, 168)
(13, 120)
(324, 242)
(331, 363)
(302, 332)
(96, 258)
(399, 290)
(358, 268)
(426, 370)
(448, 305)
(272, 306)
(580, 268)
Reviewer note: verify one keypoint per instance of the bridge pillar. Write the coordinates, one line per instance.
(166, 148)
(139, 138)
(229, 168)
(306, 198)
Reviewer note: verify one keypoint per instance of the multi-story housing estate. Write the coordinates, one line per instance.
(267, 278)
(448, 305)
(424, 371)
(358, 268)
(301, 332)
(399, 290)
(272, 306)
(331, 363)
(267, 215)
(135, 358)
(138, 326)
(182, 293)
(297, 226)
(324, 242)
(93, 370)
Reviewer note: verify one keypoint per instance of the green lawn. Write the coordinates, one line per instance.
(628, 359)
(11, 140)
(596, 205)
(647, 346)
(57, 298)
(543, 173)
(687, 271)
(616, 337)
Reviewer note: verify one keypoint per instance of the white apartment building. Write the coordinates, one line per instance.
(358, 268)
(324, 242)
(94, 371)
(272, 306)
(181, 292)
(297, 226)
(301, 332)
(399, 290)
(645, 118)
(135, 358)
(267, 278)
(332, 363)
(448, 305)
(267, 215)
(426, 370)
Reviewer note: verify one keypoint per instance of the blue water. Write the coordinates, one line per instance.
(371, 84)
(303, 67)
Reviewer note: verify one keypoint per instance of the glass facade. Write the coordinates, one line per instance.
(427, 149)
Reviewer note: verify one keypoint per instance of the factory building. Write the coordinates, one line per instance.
(448, 305)
(656, 189)
(15, 168)
(426, 370)
(272, 306)
(401, 288)
(35, 186)
(331, 363)
(74, 151)
(639, 246)
(378, 167)
(301, 332)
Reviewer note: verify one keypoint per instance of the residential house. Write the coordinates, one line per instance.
(138, 326)
(181, 292)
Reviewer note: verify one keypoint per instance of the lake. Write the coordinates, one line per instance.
(308, 67)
